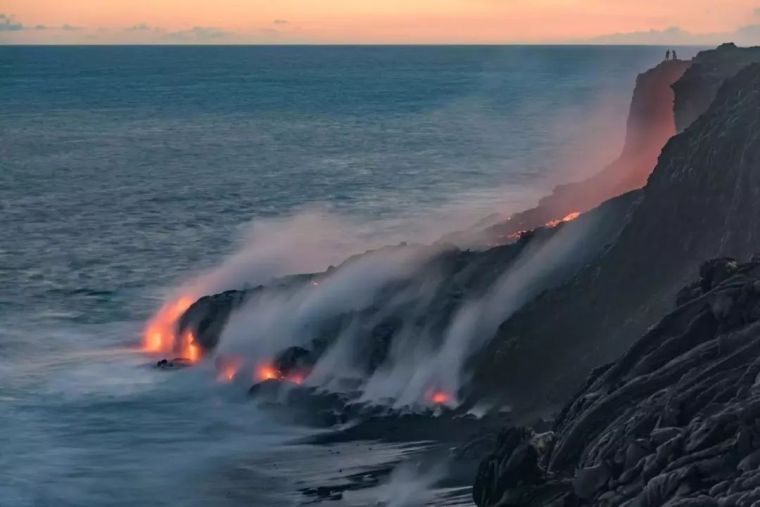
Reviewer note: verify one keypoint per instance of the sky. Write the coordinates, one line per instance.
(673, 22)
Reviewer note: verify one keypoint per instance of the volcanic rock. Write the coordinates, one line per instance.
(696, 89)
(675, 421)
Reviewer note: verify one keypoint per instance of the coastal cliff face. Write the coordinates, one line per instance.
(673, 422)
(700, 202)
(650, 125)
(696, 89)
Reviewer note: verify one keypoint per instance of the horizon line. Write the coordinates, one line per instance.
(353, 44)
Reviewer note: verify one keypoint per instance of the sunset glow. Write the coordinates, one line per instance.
(349, 21)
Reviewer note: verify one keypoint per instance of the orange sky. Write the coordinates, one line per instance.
(363, 21)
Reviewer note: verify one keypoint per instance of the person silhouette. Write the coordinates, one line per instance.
(667, 55)
(675, 57)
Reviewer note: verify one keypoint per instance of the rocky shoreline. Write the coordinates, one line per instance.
(672, 422)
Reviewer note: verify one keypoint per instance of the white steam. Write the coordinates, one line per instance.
(410, 485)
(420, 361)
(416, 368)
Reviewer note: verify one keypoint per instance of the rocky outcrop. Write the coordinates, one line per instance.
(696, 89)
(675, 421)
(700, 202)
(650, 125)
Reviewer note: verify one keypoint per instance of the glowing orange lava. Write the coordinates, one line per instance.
(440, 397)
(189, 349)
(267, 372)
(567, 218)
(161, 333)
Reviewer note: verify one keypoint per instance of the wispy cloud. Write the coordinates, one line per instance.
(198, 34)
(676, 36)
(145, 28)
(280, 22)
(9, 24)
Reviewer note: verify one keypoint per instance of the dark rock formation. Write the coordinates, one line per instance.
(700, 202)
(650, 125)
(695, 91)
(675, 421)
(207, 316)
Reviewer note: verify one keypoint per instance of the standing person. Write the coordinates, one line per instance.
(675, 57)
(667, 55)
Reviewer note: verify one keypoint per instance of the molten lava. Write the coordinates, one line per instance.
(267, 372)
(161, 333)
(440, 398)
(567, 218)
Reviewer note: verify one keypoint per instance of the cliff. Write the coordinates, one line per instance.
(700, 202)
(672, 422)
(650, 124)
(696, 89)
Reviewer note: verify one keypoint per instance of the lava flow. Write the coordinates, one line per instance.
(440, 398)
(269, 372)
(567, 218)
(161, 333)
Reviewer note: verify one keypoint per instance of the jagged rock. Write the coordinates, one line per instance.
(673, 422)
(589, 481)
(171, 364)
(696, 89)
(208, 316)
(294, 359)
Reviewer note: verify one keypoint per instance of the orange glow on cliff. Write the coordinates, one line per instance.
(567, 218)
(189, 349)
(160, 335)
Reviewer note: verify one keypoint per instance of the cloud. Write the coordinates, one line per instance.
(70, 28)
(280, 22)
(676, 36)
(144, 27)
(198, 34)
(9, 24)
(757, 11)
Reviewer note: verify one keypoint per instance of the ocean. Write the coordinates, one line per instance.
(127, 171)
